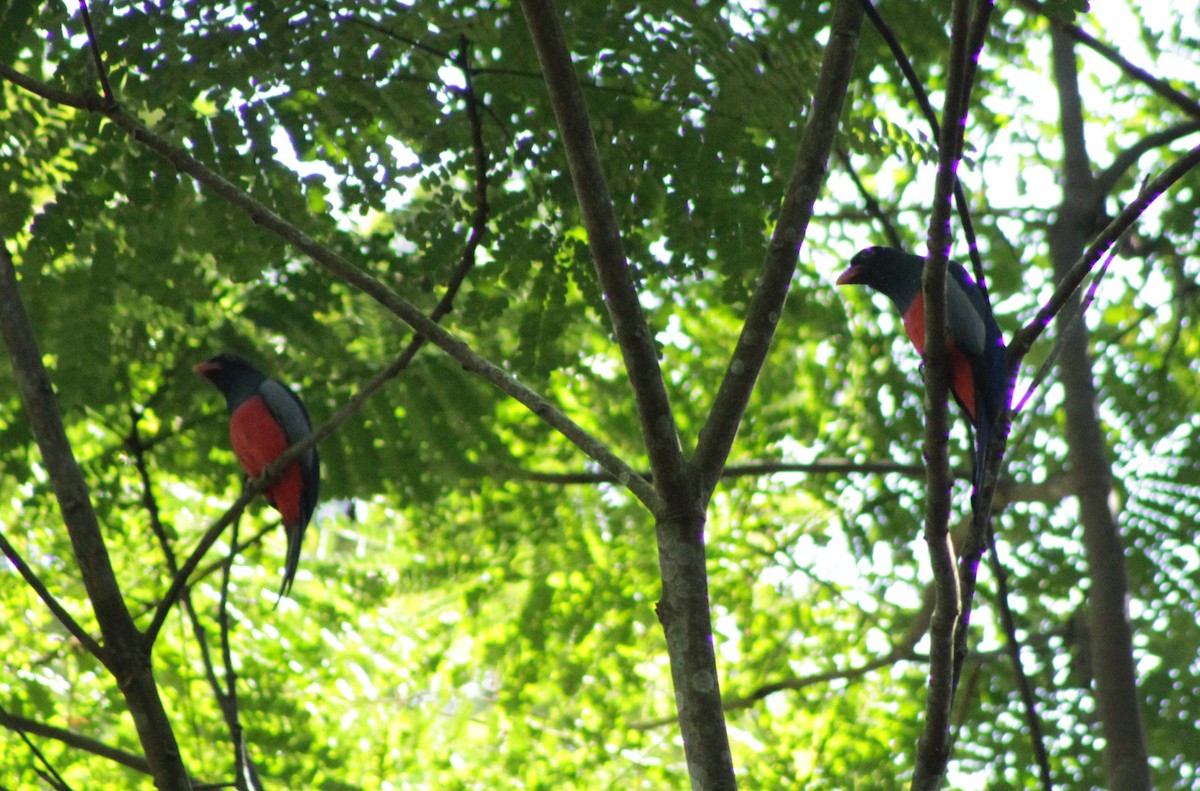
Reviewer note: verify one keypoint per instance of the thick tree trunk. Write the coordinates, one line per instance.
(122, 653)
(1117, 702)
(686, 619)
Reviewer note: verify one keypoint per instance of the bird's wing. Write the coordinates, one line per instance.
(289, 410)
(964, 312)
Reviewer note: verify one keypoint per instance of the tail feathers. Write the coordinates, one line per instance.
(295, 538)
(983, 441)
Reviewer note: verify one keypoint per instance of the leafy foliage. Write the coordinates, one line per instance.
(465, 618)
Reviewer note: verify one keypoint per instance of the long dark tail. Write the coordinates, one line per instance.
(295, 538)
(983, 440)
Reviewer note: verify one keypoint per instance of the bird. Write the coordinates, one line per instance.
(975, 348)
(265, 418)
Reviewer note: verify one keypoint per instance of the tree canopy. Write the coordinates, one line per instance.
(538, 530)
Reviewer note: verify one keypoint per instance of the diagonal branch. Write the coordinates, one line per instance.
(1160, 86)
(73, 739)
(56, 609)
(794, 683)
(1107, 178)
(1024, 339)
(49, 773)
(766, 305)
(1012, 646)
(245, 774)
(352, 275)
(350, 16)
(870, 202)
(97, 56)
(730, 471)
(1043, 371)
(634, 337)
(180, 580)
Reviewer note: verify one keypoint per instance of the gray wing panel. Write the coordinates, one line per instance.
(965, 322)
(287, 409)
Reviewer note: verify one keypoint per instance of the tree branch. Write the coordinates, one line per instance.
(228, 697)
(49, 773)
(766, 305)
(1163, 88)
(633, 333)
(871, 203)
(1013, 648)
(122, 655)
(353, 276)
(180, 580)
(1043, 371)
(375, 27)
(933, 750)
(56, 609)
(1024, 339)
(76, 740)
(731, 471)
(1106, 180)
(794, 683)
(97, 57)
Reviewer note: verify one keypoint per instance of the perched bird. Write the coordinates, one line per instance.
(265, 418)
(976, 356)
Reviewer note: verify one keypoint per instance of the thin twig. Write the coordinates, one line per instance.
(75, 740)
(870, 202)
(97, 57)
(56, 609)
(731, 471)
(375, 27)
(138, 449)
(55, 778)
(181, 577)
(1033, 722)
(1047, 365)
(792, 684)
(229, 696)
(1106, 180)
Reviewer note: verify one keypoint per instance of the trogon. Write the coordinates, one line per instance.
(265, 418)
(975, 348)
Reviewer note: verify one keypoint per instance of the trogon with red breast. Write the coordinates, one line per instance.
(265, 418)
(975, 349)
